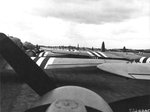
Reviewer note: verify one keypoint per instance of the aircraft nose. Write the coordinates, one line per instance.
(66, 105)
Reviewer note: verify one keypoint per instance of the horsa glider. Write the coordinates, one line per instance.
(93, 54)
(81, 88)
(65, 53)
(76, 53)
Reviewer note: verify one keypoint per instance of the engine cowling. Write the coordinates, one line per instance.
(74, 99)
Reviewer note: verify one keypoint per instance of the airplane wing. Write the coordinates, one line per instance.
(65, 54)
(80, 54)
(48, 62)
(129, 70)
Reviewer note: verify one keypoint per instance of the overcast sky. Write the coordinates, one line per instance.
(85, 22)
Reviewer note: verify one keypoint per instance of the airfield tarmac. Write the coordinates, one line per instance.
(16, 96)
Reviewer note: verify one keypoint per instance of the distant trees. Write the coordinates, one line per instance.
(17, 41)
(24, 46)
(103, 47)
(28, 45)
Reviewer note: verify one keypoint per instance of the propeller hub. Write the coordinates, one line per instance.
(66, 105)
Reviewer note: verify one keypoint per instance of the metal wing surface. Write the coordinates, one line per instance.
(129, 70)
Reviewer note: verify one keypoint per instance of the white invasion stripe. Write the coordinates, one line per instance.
(90, 53)
(102, 54)
(49, 62)
(46, 53)
(148, 60)
(41, 54)
(96, 54)
(146, 77)
(39, 61)
(141, 59)
(33, 58)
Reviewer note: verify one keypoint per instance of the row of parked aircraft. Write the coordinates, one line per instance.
(81, 81)
(90, 54)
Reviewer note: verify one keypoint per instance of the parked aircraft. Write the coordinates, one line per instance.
(32, 53)
(90, 54)
(87, 53)
(75, 97)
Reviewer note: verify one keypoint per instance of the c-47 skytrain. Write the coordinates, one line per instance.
(81, 84)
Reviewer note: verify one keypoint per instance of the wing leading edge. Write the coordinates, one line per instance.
(129, 70)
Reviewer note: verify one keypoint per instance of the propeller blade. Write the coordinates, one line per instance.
(33, 75)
